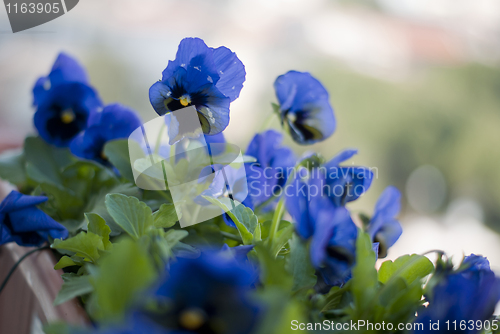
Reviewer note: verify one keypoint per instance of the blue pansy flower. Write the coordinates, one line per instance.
(304, 201)
(305, 109)
(467, 295)
(333, 246)
(65, 69)
(22, 222)
(64, 102)
(208, 79)
(346, 183)
(384, 228)
(274, 162)
(114, 122)
(208, 294)
(331, 228)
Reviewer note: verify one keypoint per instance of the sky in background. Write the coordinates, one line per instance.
(414, 84)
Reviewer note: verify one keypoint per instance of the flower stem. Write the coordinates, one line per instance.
(267, 123)
(280, 208)
(231, 236)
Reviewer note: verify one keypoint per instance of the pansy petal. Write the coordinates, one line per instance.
(339, 158)
(297, 206)
(389, 203)
(214, 116)
(188, 49)
(231, 71)
(40, 90)
(158, 94)
(67, 69)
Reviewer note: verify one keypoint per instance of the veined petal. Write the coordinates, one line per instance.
(231, 71)
(190, 48)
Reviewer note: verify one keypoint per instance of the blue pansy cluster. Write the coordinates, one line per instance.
(292, 256)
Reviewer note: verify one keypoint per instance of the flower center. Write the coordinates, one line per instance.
(67, 116)
(185, 100)
(192, 318)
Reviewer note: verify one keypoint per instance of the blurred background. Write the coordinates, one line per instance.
(415, 85)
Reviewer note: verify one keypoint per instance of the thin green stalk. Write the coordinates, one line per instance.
(158, 139)
(280, 208)
(267, 123)
(231, 236)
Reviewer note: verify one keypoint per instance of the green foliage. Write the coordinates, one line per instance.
(408, 267)
(12, 167)
(299, 265)
(132, 215)
(393, 295)
(45, 162)
(122, 274)
(165, 217)
(97, 225)
(84, 244)
(117, 152)
(244, 218)
(72, 287)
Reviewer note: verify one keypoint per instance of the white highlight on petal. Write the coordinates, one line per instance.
(211, 118)
(209, 78)
(197, 68)
(46, 85)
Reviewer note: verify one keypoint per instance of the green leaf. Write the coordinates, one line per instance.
(125, 272)
(72, 287)
(67, 261)
(282, 236)
(165, 217)
(64, 201)
(244, 218)
(83, 244)
(48, 160)
(299, 265)
(272, 271)
(132, 215)
(12, 167)
(174, 236)
(364, 280)
(166, 241)
(97, 225)
(97, 203)
(118, 154)
(408, 267)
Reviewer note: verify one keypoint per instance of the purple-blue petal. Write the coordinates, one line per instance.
(231, 71)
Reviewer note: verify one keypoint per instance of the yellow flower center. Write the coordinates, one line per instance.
(67, 116)
(185, 100)
(192, 319)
